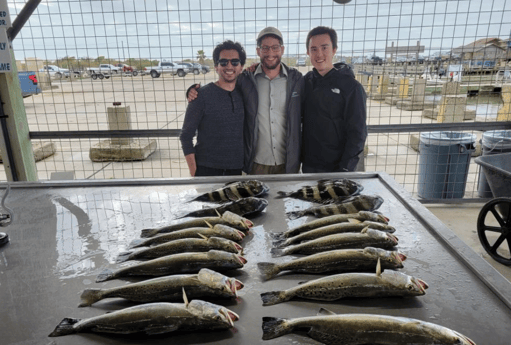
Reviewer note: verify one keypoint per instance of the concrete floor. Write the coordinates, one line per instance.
(462, 220)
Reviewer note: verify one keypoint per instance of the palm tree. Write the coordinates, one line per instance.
(201, 56)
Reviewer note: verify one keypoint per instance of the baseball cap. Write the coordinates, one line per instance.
(270, 30)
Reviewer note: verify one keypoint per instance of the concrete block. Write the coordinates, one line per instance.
(41, 150)
(430, 113)
(119, 119)
(452, 108)
(504, 113)
(136, 150)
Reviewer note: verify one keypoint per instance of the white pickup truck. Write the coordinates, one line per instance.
(167, 67)
(104, 70)
(58, 72)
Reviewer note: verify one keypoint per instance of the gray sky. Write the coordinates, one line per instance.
(177, 29)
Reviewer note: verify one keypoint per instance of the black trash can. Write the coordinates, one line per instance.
(444, 159)
(493, 142)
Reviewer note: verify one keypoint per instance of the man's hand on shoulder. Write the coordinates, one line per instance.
(252, 68)
(192, 92)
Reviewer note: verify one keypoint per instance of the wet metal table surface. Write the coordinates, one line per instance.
(64, 234)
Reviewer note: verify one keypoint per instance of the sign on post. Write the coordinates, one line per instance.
(5, 45)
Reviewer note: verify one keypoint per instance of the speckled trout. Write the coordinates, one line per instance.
(342, 260)
(204, 285)
(349, 285)
(183, 245)
(331, 230)
(218, 230)
(357, 329)
(153, 318)
(178, 263)
(227, 218)
(365, 238)
(360, 216)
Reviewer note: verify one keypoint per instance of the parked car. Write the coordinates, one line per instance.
(58, 72)
(300, 61)
(376, 60)
(103, 71)
(173, 68)
(196, 68)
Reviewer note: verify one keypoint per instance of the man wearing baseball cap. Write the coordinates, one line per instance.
(272, 97)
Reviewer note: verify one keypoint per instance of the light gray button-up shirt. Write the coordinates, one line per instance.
(271, 117)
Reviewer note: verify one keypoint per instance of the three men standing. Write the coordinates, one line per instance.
(327, 106)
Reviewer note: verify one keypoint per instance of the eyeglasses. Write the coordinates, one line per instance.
(274, 48)
(234, 62)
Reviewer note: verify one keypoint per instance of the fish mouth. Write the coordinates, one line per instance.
(230, 316)
(234, 285)
(465, 339)
(421, 285)
(393, 239)
(402, 256)
(238, 248)
(241, 235)
(241, 259)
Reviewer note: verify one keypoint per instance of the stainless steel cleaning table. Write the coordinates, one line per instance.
(64, 233)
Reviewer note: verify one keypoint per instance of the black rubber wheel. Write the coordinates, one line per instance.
(196, 71)
(94, 76)
(155, 74)
(135, 73)
(101, 76)
(494, 237)
(181, 73)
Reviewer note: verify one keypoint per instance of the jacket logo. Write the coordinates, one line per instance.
(336, 91)
(295, 94)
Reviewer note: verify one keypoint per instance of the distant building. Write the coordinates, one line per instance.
(485, 49)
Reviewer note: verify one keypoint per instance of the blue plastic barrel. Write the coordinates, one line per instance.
(444, 160)
(493, 142)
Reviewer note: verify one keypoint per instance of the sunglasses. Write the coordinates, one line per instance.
(224, 62)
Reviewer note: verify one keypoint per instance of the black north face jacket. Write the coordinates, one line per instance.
(334, 120)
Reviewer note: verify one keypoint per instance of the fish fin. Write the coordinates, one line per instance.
(277, 252)
(65, 327)
(162, 329)
(203, 237)
(105, 275)
(185, 298)
(89, 297)
(324, 312)
(378, 268)
(210, 226)
(306, 281)
(274, 327)
(364, 230)
(274, 297)
(136, 243)
(354, 221)
(218, 213)
(148, 232)
(281, 195)
(228, 183)
(295, 214)
(268, 269)
(124, 256)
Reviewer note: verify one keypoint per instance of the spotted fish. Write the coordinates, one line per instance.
(351, 205)
(234, 191)
(326, 191)
(243, 207)
(355, 329)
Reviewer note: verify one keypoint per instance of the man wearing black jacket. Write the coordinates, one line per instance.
(334, 110)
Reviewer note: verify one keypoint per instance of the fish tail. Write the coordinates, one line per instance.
(65, 327)
(274, 297)
(274, 327)
(89, 297)
(148, 232)
(277, 252)
(279, 243)
(295, 214)
(136, 243)
(268, 269)
(105, 275)
(124, 256)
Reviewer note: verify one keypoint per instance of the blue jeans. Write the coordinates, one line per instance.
(206, 171)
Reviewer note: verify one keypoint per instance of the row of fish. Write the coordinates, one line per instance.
(170, 252)
(349, 239)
